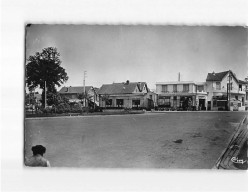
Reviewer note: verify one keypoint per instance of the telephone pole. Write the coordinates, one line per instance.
(45, 96)
(229, 91)
(85, 72)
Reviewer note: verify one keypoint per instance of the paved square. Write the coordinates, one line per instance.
(134, 141)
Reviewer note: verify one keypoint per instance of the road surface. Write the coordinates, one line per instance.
(188, 140)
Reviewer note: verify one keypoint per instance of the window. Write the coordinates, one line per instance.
(136, 103)
(165, 101)
(174, 88)
(108, 102)
(119, 102)
(164, 88)
(243, 101)
(160, 102)
(240, 87)
(200, 88)
(236, 97)
(218, 86)
(186, 87)
(176, 102)
(221, 103)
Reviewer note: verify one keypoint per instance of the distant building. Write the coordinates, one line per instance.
(72, 93)
(218, 94)
(134, 95)
(183, 95)
(38, 98)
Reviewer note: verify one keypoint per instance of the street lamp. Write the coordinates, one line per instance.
(85, 72)
(229, 77)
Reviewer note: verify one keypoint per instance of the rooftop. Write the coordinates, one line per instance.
(121, 88)
(175, 82)
(78, 89)
(216, 76)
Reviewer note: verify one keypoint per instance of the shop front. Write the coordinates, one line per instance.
(201, 102)
(177, 102)
(220, 102)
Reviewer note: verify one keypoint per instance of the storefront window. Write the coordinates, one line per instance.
(220, 101)
(164, 101)
(108, 102)
(119, 102)
(136, 103)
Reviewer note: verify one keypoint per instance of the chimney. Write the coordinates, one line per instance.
(179, 76)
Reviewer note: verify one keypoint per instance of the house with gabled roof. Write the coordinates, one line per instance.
(225, 91)
(134, 95)
(72, 93)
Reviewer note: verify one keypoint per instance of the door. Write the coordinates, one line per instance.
(202, 104)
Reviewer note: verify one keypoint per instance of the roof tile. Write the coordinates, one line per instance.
(74, 89)
(120, 88)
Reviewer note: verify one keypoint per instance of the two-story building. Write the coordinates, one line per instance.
(135, 95)
(183, 95)
(225, 91)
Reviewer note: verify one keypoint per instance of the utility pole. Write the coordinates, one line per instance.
(230, 88)
(45, 94)
(227, 94)
(85, 72)
(229, 91)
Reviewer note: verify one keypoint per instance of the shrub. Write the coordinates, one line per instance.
(98, 109)
(85, 109)
(76, 108)
(47, 110)
(63, 108)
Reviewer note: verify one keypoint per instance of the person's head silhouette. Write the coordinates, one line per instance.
(37, 160)
(38, 150)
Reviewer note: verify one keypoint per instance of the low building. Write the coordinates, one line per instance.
(135, 95)
(225, 91)
(72, 93)
(38, 98)
(182, 95)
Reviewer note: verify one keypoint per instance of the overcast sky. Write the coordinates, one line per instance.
(116, 53)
